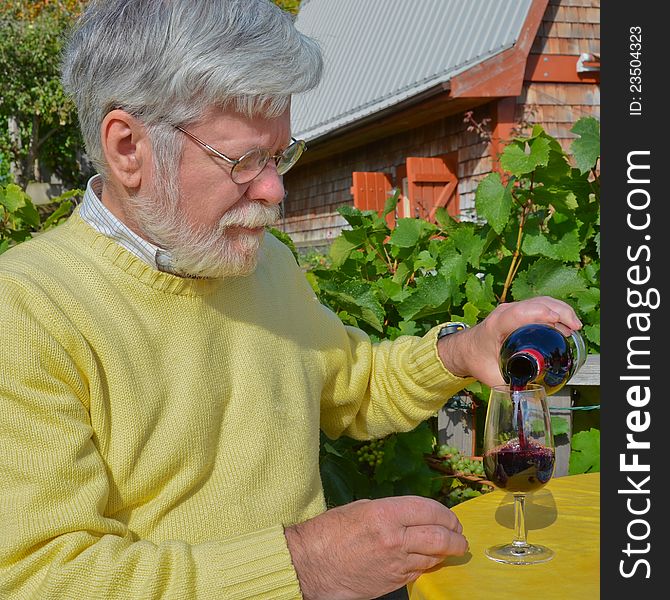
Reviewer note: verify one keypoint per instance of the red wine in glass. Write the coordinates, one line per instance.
(519, 467)
(519, 458)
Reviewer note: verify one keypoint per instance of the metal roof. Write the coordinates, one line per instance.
(378, 53)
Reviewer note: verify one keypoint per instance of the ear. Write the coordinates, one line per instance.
(126, 148)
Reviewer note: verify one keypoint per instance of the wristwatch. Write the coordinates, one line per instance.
(452, 327)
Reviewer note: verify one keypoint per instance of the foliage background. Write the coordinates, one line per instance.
(538, 233)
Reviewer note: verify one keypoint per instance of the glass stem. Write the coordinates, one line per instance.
(520, 520)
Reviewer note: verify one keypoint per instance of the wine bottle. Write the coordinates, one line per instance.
(541, 354)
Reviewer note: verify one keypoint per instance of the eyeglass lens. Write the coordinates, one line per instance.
(252, 163)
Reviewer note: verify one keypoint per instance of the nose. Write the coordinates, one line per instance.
(268, 186)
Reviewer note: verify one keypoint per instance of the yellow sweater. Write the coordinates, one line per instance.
(157, 433)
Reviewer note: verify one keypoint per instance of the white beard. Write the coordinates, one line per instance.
(227, 249)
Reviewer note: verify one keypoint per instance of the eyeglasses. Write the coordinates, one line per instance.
(250, 164)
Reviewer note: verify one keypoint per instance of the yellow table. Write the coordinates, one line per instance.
(564, 515)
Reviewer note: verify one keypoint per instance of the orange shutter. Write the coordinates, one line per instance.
(370, 192)
(432, 183)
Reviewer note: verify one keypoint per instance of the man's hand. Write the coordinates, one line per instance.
(371, 547)
(474, 352)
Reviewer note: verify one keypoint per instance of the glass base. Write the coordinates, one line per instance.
(512, 554)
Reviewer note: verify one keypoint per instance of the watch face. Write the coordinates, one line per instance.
(450, 328)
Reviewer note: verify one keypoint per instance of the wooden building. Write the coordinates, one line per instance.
(422, 96)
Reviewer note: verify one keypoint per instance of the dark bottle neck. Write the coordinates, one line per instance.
(524, 367)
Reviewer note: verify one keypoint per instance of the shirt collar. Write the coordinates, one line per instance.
(98, 216)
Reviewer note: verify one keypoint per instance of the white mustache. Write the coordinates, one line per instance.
(251, 215)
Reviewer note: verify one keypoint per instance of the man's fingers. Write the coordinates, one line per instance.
(417, 510)
(542, 309)
(433, 540)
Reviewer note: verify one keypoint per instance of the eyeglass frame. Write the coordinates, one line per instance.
(236, 161)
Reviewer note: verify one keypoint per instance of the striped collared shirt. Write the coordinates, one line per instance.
(98, 216)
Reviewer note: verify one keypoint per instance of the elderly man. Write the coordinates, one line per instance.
(164, 366)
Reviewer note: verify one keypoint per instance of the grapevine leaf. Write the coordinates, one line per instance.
(592, 333)
(469, 243)
(430, 293)
(408, 328)
(592, 273)
(425, 261)
(559, 197)
(547, 277)
(586, 149)
(565, 248)
(13, 198)
(453, 264)
(358, 299)
(556, 169)
(65, 208)
(470, 313)
(360, 218)
(588, 300)
(480, 293)
(409, 231)
(585, 452)
(391, 203)
(342, 482)
(391, 290)
(493, 201)
(341, 249)
(522, 158)
(29, 215)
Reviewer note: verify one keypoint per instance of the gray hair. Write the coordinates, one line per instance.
(167, 61)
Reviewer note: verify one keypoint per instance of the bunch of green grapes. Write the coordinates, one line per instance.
(371, 453)
(459, 463)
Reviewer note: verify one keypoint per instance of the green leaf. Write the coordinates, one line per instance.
(493, 201)
(592, 333)
(359, 300)
(585, 452)
(341, 249)
(4, 246)
(29, 215)
(559, 426)
(470, 313)
(391, 203)
(480, 292)
(408, 328)
(430, 293)
(453, 264)
(521, 158)
(13, 197)
(340, 478)
(586, 149)
(588, 300)
(391, 290)
(469, 242)
(556, 170)
(565, 248)
(425, 261)
(65, 208)
(408, 232)
(547, 277)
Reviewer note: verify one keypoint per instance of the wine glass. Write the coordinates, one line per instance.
(518, 457)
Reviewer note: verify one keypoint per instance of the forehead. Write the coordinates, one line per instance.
(231, 127)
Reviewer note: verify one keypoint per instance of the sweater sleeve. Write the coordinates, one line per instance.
(56, 541)
(377, 389)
